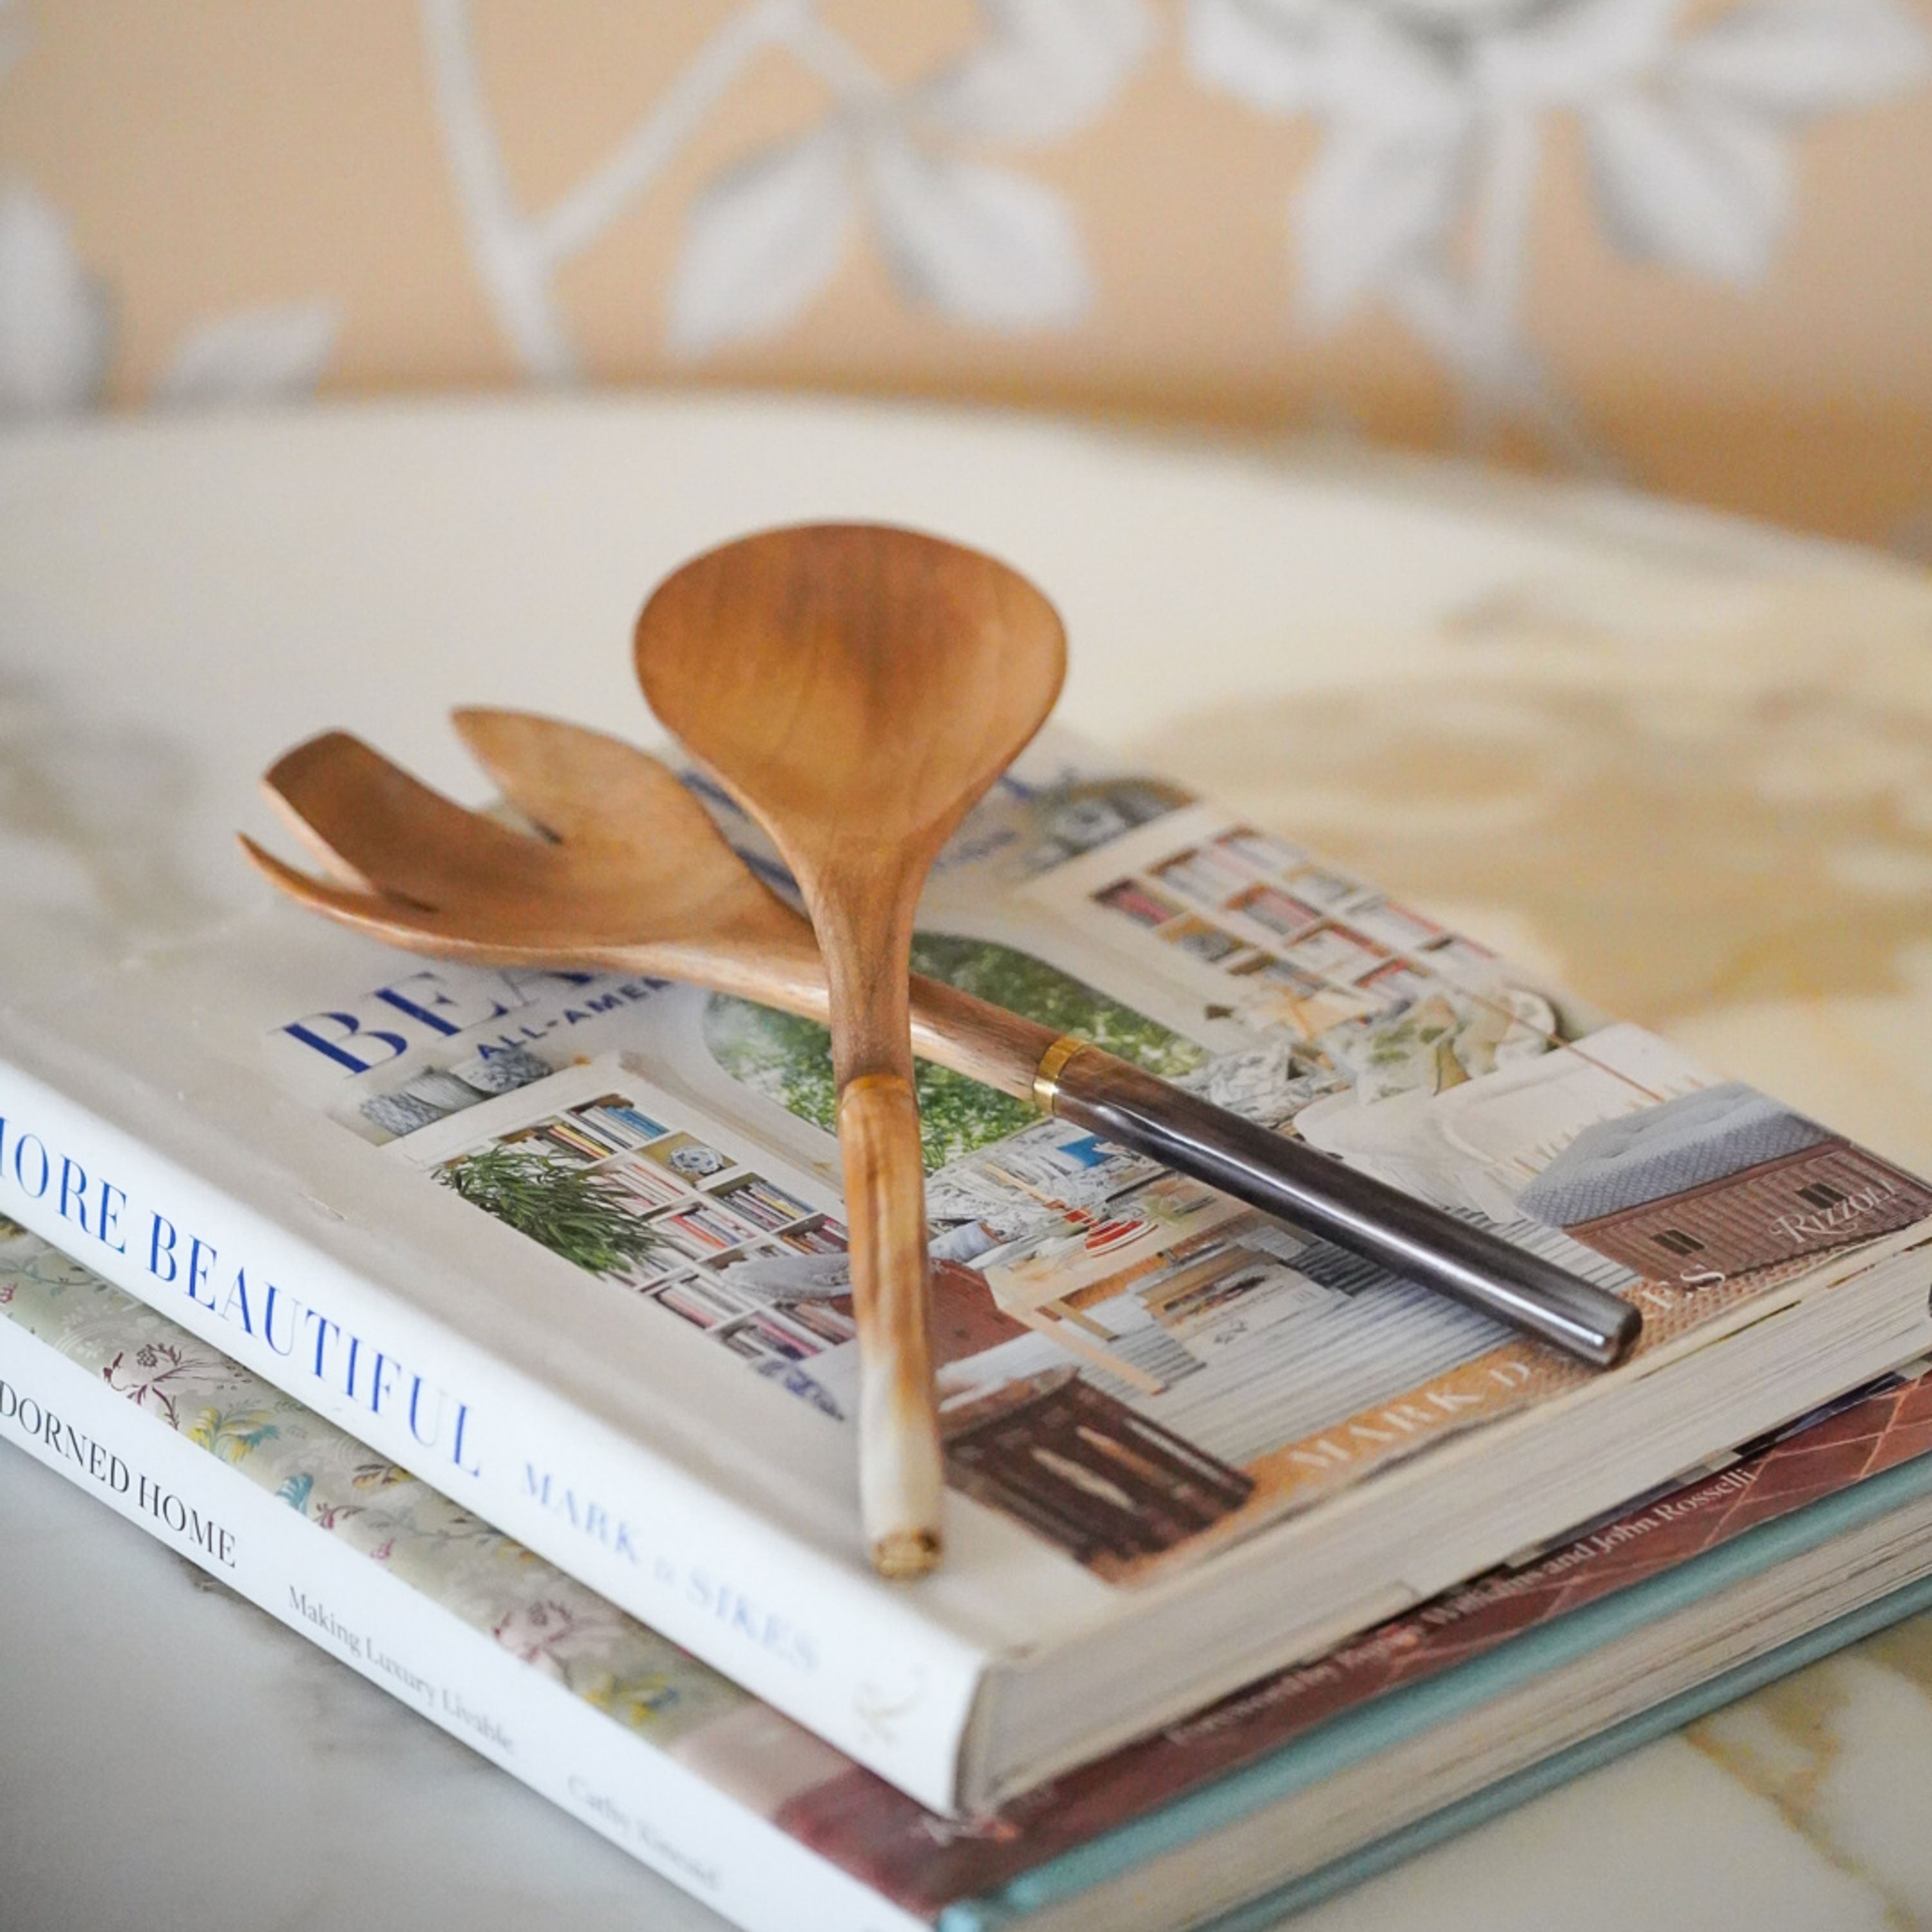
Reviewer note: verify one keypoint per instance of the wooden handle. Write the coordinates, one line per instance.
(901, 1469)
(1297, 1184)
(1282, 1177)
(971, 1036)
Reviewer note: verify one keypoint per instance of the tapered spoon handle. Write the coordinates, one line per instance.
(864, 929)
(901, 1476)
(1411, 1238)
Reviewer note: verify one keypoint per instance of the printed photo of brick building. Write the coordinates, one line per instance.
(1716, 1183)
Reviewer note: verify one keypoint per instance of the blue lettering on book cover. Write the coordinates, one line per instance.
(357, 1042)
(244, 1298)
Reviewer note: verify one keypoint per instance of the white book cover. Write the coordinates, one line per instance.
(1288, 1789)
(568, 1246)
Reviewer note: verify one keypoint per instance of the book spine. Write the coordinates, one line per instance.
(403, 1641)
(799, 1630)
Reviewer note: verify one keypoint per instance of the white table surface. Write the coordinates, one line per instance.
(1687, 763)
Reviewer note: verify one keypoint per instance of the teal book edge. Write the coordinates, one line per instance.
(1262, 1914)
(1401, 1714)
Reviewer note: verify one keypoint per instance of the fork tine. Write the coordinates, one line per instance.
(369, 823)
(397, 922)
(333, 864)
(583, 786)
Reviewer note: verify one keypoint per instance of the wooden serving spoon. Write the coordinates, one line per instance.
(859, 688)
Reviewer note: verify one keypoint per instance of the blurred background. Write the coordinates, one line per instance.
(1687, 244)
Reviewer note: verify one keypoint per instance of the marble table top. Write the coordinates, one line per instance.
(1684, 764)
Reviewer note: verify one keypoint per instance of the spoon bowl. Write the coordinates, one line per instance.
(859, 686)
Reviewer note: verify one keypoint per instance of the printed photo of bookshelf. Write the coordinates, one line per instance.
(582, 1136)
(1289, 943)
(1090, 1306)
(691, 1203)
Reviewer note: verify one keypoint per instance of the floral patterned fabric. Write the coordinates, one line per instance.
(480, 1575)
(1678, 241)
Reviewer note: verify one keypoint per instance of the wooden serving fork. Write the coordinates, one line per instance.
(634, 876)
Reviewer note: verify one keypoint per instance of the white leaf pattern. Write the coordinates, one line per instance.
(761, 241)
(263, 354)
(1575, 52)
(1423, 195)
(1689, 184)
(1803, 57)
(55, 326)
(1045, 69)
(1269, 53)
(1374, 199)
(763, 238)
(1370, 72)
(978, 244)
(1432, 117)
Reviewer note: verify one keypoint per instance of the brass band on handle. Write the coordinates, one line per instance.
(1052, 1063)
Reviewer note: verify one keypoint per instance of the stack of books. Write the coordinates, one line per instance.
(489, 1328)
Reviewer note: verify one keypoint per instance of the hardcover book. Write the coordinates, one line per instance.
(569, 1246)
(1295, 1785)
